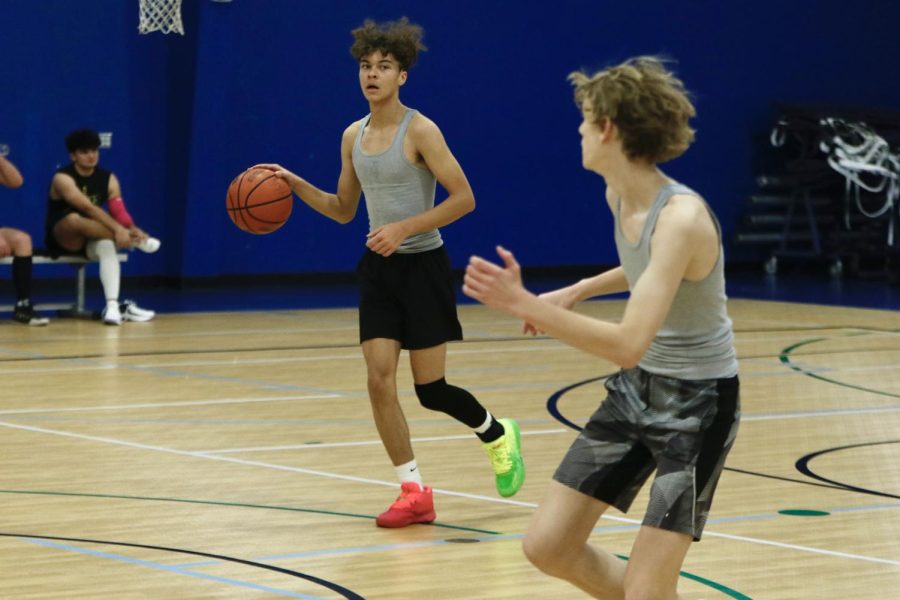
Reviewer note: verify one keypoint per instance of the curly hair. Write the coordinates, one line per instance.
(401, 39)
(648, 104)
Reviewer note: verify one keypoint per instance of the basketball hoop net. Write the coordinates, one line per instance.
(160, 15)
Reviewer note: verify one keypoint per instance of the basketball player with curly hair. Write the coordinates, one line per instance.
(674, 405)
(395, 156)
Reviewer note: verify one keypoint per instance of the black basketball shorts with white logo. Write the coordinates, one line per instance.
(683, 429)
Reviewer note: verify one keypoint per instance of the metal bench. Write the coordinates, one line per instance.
(75, 310)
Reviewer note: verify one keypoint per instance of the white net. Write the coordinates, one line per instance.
(160, 15)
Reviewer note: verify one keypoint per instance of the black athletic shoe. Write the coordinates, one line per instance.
(25, 314)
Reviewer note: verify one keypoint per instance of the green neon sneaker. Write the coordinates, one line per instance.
(506, 458)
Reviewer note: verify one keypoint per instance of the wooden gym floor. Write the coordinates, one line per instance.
(232, 455)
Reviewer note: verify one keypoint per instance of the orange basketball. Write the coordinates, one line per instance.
(258, 202)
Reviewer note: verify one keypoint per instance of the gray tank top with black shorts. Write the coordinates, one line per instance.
(408, 296)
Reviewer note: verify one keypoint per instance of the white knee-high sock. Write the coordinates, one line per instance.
(105, 252)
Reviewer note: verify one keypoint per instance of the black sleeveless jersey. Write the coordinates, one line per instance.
(95, 186)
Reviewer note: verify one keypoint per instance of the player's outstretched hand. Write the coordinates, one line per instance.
(493, 285)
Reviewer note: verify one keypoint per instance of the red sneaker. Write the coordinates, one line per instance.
(413, 505)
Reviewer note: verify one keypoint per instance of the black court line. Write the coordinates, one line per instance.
(802, 465)
(790, 479)
(224, 350)
(346, 593)
(356, 345)
(317, 511)
(12, 359)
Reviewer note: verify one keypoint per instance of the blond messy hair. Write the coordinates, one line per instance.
(647, 103)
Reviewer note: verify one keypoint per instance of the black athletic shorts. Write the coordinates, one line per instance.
(408, 298)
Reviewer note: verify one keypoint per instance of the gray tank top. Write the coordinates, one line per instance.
(696, 339)
(394, 188)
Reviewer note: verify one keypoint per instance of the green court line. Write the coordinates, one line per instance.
(707, 582)
(803, 512)
(786, 359)
(234, 504)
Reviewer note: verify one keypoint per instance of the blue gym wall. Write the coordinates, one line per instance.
(272, 80)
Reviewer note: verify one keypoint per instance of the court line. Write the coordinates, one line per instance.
(785, 358)
(453, 349)
(631, 524)
(159, 334)
(554, 345)
(341, 395)
(752, 540)
(376, 442)
(164, 372)
(25, 411)
(343, 422)
(291, 398)
(291, 359)
(802, 465)
(809, 549)
(251, 463)
(438, 524)
(744, 418)
(18, 355)
(170, 568)
(837, 412)
(773, 358)
(393, 484)
(363, 443)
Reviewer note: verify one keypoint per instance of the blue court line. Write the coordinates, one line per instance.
(864, 508)
(361, 549)
(281, 387)
(707, 582)
(49, 417)
(170, 568)
(177, 374)
(163, 421)
(519, 536)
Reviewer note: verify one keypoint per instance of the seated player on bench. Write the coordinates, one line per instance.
(77, 221)
(17, 243)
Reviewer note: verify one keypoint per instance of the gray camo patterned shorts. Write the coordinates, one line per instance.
(681, 428)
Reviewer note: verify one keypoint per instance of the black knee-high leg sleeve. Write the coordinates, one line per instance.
(456, 402)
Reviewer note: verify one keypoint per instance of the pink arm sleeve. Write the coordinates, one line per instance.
(119, 212)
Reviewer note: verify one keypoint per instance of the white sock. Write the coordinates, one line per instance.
(105, 252)
(487, 423)
(409, 472)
